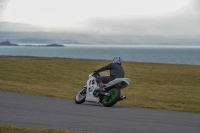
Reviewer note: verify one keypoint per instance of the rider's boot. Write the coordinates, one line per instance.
(100, 87)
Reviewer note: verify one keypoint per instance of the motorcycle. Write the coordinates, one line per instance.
(108, 96)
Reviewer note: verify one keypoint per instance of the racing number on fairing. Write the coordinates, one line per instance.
(91, 82)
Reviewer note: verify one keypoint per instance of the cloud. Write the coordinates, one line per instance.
(184, 22)
(3, 4)
(195, 5)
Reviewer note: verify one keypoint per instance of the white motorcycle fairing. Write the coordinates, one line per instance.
(91, 86)
(119, 83)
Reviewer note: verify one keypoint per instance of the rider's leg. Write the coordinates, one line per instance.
(103, 80)
(106, 79)
(100, 84)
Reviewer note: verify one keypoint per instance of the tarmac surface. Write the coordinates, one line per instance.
(53, 113)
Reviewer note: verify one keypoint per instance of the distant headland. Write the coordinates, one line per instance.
(54, 45)
(7, 43)
(48, 45)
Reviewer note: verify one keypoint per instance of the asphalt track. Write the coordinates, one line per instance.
(44, 112)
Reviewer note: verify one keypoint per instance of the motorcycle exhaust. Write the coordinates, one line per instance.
(122, 98)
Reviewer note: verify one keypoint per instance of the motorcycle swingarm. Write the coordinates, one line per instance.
(104, 93)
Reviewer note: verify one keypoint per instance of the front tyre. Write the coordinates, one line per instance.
(109, 101)
(80, 96)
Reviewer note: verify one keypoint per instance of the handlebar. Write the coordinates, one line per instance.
(96, 75)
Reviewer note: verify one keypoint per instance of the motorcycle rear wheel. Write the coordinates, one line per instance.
(80, 96)
(109, 101)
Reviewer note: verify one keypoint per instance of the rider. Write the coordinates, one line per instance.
(116, 71)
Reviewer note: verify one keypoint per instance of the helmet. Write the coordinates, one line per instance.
(117, 60)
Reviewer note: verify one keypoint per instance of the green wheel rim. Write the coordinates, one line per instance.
(110, 98)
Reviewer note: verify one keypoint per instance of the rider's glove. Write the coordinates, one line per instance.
(95, 72)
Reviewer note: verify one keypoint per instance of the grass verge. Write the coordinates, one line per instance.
(15, 129)
(159, 86)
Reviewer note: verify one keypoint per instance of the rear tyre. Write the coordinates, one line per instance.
(109, 101)
(80, 96)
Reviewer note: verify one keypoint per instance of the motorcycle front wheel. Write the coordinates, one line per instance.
(80, 96)
(109, 101)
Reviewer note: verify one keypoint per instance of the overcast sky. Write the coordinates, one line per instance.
(121, 17)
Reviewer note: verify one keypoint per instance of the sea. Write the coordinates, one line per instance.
(167, 54)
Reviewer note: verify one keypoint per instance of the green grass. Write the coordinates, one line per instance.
(159, 86)
(15, 129)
